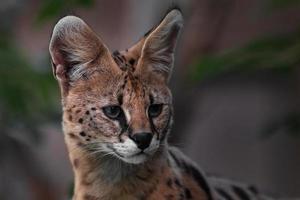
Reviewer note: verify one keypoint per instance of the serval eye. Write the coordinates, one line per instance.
(154, 110)
(112, 112)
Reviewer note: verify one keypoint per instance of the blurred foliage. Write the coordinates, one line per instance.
(53, 8)
(27, 96)
(279, 4)
(277, 53)
(280, 53)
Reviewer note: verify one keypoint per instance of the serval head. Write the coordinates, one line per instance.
(115, 104)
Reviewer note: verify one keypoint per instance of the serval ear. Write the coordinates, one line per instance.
(76, 51)
(157, 54)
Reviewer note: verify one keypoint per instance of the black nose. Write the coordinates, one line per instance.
(142, 140)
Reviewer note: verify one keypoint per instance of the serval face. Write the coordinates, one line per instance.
(125, 114)
(116, 105)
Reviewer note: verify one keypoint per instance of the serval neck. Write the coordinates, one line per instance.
(107, 177)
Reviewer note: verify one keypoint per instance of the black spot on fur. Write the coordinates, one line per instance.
(123, 87)
(80, 120)
(241, 193)
(224, 194)
(188, 193)
(93, 108)
(131, 61)
(177, 182)
(87, 112)
(82, 133)
(169, 182)
(72, 135)
(181, 196)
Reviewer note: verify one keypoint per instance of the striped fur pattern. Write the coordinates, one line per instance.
(117, 114)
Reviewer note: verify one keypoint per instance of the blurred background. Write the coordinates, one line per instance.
(236, 89)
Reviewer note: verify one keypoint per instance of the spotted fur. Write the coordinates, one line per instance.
(106, 161)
